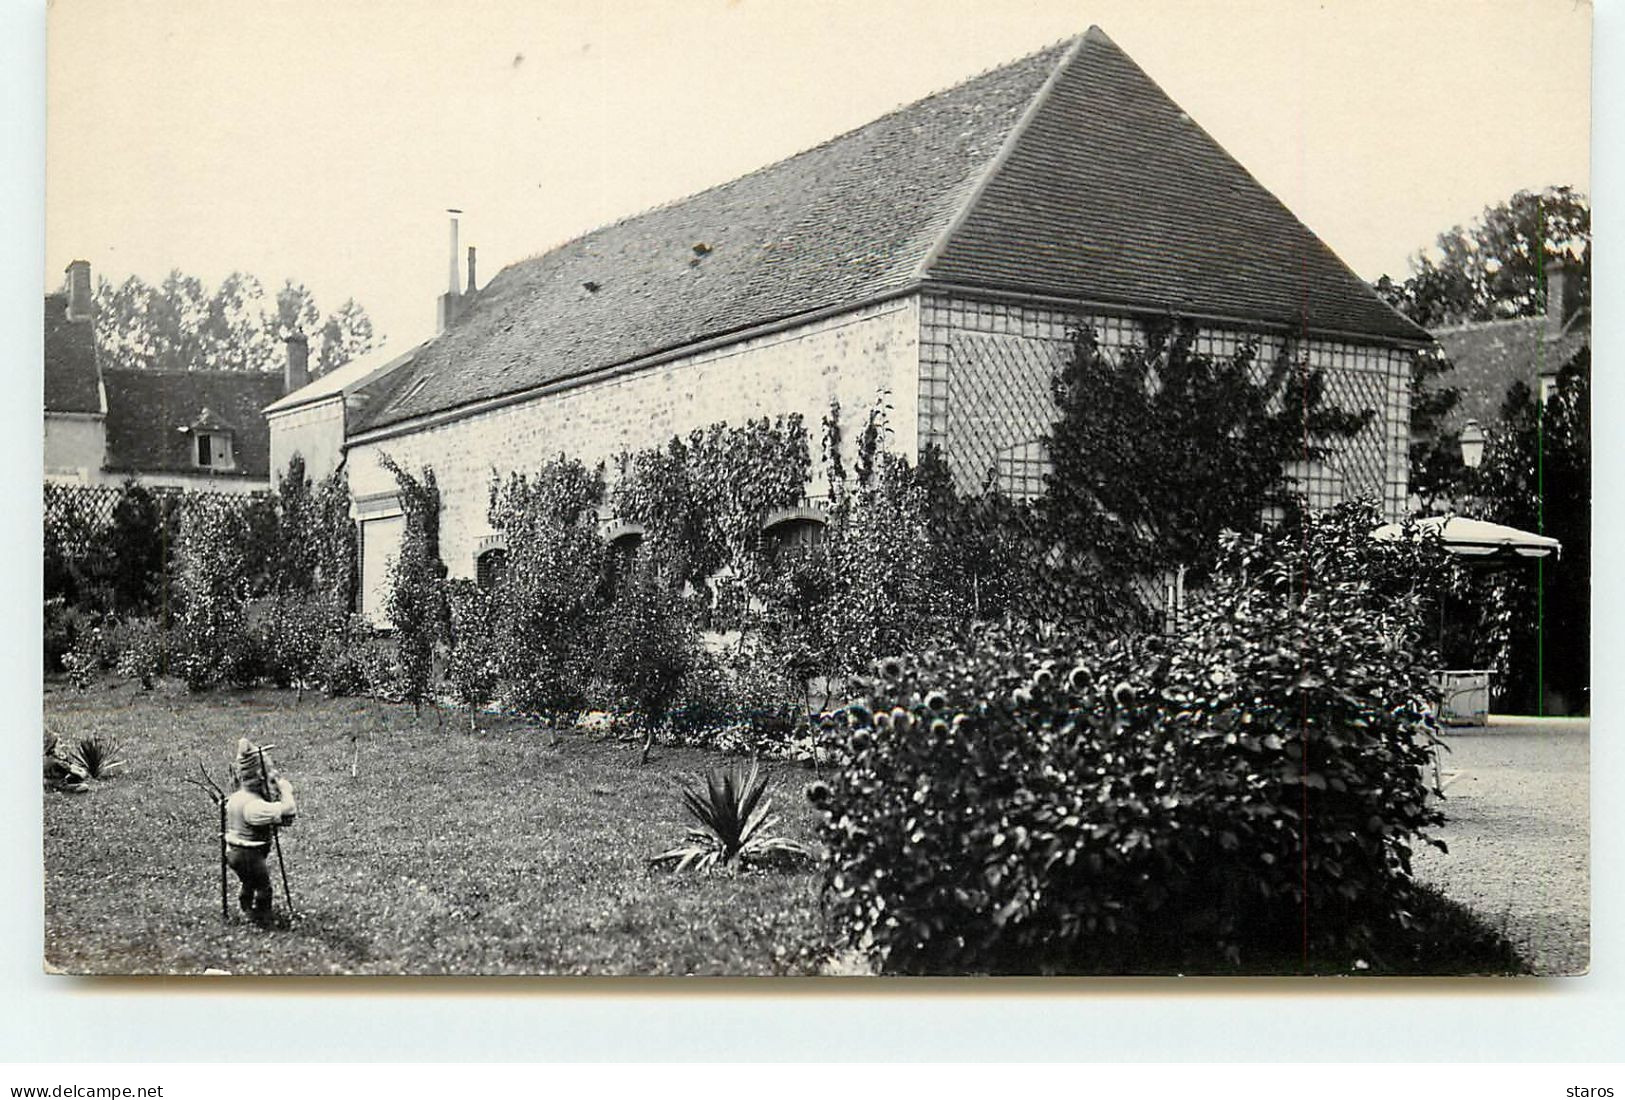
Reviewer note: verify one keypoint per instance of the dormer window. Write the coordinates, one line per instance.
(212, 442)
(214, 450)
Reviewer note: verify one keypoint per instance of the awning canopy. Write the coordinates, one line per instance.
(1476, 538)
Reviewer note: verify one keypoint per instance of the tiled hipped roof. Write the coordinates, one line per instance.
(146, 410)
(1105, 193)
(70, 361)
(1113, 194)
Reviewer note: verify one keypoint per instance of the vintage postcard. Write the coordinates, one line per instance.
(829, 489)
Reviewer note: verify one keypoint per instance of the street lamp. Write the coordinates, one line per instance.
(1472, 444)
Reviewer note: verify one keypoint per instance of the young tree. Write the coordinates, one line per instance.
(648, 649)
(213, 587)
(474, 666)
(1158, 449)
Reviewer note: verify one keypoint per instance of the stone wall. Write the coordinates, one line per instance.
(862, 358)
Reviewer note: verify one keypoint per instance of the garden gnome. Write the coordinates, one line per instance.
(262, 801)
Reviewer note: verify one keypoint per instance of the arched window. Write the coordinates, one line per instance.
(791, 530)
(624, 544)
(490, 567)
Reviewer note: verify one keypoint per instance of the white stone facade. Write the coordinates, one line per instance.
(969, 375)
(314, 431)
(862, 358)
(75, 447)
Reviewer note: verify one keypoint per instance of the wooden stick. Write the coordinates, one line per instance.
(276, 833)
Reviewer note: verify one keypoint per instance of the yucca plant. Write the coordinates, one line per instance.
(733, 822)
(95, 755)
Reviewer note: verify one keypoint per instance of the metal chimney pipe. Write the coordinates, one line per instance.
(471, 283)
(453, 287)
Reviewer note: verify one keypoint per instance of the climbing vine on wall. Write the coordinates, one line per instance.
(416, 603)
(701, 498)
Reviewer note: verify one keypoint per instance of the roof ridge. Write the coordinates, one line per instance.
(170, 372)
(996, 161)
(680, 200)
(1472, 326)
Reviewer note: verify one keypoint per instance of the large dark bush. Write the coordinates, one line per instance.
(1251, 785)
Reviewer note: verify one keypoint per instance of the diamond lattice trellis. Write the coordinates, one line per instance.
(985, 398)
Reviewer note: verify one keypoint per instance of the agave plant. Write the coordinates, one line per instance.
(95, 755)
(733, 823)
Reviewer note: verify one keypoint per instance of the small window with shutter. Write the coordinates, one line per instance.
(214, 451)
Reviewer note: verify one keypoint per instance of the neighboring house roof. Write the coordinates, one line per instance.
(72, 384)
(1489, 356)
(1068, 172)
(147, 410)
(347, 378)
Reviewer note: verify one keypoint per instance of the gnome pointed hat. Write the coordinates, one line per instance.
(248, 767)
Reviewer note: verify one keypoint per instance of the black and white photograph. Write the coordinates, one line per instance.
(822, 490)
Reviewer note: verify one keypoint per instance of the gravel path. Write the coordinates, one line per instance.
(1519, 835)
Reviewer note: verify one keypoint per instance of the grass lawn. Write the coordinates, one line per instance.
(511, 851)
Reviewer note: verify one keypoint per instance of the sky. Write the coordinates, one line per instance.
(323, 139)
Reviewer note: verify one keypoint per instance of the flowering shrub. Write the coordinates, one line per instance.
(89, 655)
(142, 651)
(740, 700)
(474, 665)
(1254, 783)
(292, 636)
(357, 661)
(64, 626)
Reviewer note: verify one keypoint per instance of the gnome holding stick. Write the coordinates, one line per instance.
(262, 802)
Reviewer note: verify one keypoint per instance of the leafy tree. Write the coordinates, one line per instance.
(1436, 470)
(648, 649)
(181, 324)
(549, 600)
(1536, 475)
(1158, 449)
(1495, 267)
(702, 498)
(345, 334)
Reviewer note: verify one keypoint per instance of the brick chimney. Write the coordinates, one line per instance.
(81, 300)
(1556, 283)
(471, 282)
(296, 371)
